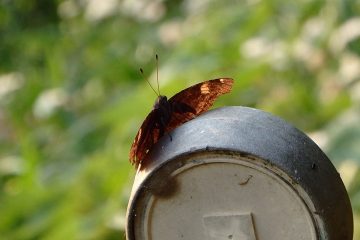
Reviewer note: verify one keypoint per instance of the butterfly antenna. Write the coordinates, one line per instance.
(157, 72)
(142, 73)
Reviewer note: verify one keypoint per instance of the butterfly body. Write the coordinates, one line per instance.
(168, 114)
(162, 114)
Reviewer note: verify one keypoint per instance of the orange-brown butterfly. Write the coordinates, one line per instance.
(168, 114)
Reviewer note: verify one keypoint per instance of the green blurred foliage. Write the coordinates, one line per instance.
(72, 99)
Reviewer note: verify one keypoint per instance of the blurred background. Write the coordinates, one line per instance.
(72, 97)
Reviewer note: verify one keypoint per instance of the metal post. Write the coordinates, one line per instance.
(238, 173)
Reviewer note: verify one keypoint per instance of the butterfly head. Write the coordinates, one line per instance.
(160, 101)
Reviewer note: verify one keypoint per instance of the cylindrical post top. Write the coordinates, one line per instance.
(235, 172)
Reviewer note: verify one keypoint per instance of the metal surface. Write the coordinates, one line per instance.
(252, 136)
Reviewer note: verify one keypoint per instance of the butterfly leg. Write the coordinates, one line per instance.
(162, 123)
(162, 132)
(170, 136)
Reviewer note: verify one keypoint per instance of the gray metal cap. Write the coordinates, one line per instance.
(238, 173)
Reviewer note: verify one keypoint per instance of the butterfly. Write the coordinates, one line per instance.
(167, 114)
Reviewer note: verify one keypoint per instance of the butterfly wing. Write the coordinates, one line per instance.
(145, 138)
(196, 99)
